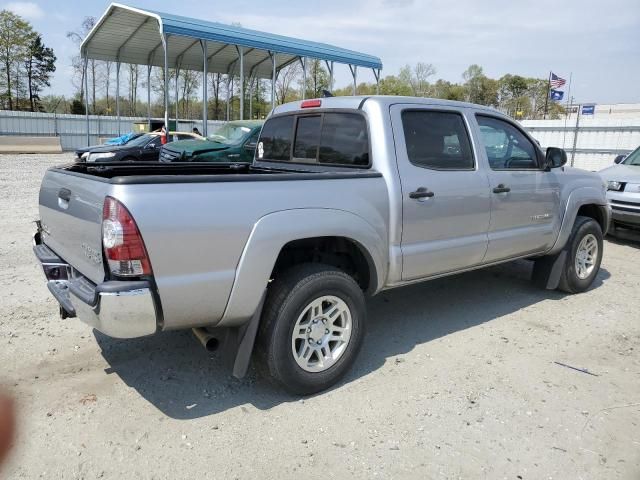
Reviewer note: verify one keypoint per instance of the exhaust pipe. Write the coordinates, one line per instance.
(208, 341)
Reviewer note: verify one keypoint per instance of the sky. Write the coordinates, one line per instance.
(597, 42)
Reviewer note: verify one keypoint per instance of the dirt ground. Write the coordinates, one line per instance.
(456, 380)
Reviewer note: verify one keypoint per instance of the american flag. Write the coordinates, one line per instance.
(556, 81)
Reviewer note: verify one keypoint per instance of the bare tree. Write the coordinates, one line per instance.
(417, 77)
(133, 88)
(285, 80)
(77, 37)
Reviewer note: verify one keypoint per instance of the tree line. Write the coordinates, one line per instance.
(26, 64)
(32, 64)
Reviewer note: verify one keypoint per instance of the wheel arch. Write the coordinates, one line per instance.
(278, 238)
(588, 202)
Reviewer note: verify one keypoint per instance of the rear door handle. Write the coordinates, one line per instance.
(421, 192)
(64, 194)
(502, 188)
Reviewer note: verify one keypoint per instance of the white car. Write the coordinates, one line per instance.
(623, 190)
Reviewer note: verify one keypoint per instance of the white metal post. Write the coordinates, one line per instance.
(86, 95)
(177, 70)
(165, 46)
(241, 54)
(250, 97)
(149, 95)
(229, 85)
(304, 77)
(273, 81)
(118, 94)
(205, 99)
(355, 79)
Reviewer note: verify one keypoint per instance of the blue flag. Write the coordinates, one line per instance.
(556, 94)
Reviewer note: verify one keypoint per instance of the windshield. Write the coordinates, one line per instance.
(140, 140)
(230, 134)
(633, 158)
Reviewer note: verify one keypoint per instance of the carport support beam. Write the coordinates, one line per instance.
(85, 63)
(330, 68)
(354, 73)
(118, 94)
(165, 46)
(241, 55)
(205, 100)
(149, 95)
(176, 85)
(273, 81)
(303, 61)
(376, 73)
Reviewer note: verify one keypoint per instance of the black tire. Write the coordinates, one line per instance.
(570, 282)
(288, 296)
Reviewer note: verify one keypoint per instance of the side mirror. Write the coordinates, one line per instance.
(555, 157)
(151, 146)
(619, 159)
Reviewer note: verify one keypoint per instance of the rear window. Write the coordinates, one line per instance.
(331, 138)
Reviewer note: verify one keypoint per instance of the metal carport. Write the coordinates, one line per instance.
(132, 35)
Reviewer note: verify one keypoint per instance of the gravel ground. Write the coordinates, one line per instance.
(456, 380)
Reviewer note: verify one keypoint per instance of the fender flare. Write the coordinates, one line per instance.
(273, 231)
(578, 198)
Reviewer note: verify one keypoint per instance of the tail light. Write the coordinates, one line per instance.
(122, 242)
(314, 103)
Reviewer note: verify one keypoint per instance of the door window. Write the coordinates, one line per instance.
(437, 140)
(506, 146)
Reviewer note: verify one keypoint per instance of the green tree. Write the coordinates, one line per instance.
(479, 88)
(39, 65)
(317, 79)
(15, 35)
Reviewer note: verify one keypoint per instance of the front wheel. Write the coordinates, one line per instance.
(584, 255)
(312, 328)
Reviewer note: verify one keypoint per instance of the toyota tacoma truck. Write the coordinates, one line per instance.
(346, 197)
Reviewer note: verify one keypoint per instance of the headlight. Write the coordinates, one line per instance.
(97, 156)
(615, 186)
(84, 156)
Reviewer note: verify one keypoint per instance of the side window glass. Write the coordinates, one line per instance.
(275, 140)
(437, 140)
(307, 138)
(506, 146)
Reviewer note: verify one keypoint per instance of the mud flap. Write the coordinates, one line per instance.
(548, 270)
(239, 342)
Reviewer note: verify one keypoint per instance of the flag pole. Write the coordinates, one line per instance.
(566, 111)
(546, 100)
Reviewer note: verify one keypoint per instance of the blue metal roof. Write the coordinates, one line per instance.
(218, 32)
(130, 35)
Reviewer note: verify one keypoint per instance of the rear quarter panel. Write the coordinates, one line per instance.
(195, 233)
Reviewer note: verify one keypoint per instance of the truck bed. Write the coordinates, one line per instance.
(118, 173)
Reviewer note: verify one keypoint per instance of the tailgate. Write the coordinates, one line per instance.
(71, 216)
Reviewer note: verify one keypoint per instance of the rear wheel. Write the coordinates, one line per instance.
(584, 255)
(312, 328)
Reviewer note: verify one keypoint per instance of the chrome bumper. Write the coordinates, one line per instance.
(120, 309)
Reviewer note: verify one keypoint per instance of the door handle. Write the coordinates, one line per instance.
(421, 192)
(64, 194)
(501, 189)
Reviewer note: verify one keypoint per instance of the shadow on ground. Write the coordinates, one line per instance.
(172, 371)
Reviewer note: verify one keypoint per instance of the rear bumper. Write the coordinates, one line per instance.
(120, 309)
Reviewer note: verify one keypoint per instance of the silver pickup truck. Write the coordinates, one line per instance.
(346, 197)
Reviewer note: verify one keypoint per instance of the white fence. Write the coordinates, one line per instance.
(591, 143)
(72, 128)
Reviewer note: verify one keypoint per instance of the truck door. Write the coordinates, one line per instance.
(525, 199)
(445, 195)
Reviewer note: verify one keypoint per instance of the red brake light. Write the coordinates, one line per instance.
(122, 242)
(315, 103)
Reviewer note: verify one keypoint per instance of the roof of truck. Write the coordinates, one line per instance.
(355, 102)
